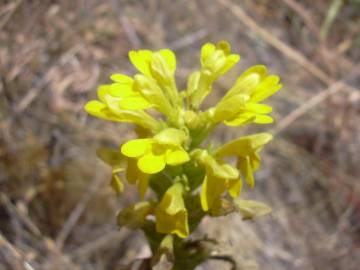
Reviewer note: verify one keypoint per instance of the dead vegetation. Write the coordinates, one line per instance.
(56, 209)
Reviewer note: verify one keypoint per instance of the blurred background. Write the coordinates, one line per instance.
(56, 208)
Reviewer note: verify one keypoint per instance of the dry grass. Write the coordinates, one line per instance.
(56, 209)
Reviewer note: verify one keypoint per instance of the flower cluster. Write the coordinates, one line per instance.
(191, 178)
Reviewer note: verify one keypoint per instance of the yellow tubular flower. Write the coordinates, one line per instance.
(160, 66)
(154, 153)
(219, 178)
(246, 149)
(241, 104)
(150, 90)
(119, 102)
(171, 214)
(216, 60)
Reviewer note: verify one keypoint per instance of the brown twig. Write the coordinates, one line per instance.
(10, 257)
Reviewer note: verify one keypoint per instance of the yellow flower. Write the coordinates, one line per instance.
(154, 153)
(148, 87)
(171, 214)
(119, 102)
(246, 149)
(160, 66)
(241, 104)
(219, 178)
(216, 60)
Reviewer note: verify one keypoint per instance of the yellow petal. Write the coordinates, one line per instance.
(206, 50)
(171, 214)
(136, 148)
(247, 171)
(228, 108)
(134, 103)
(121, 78)
(141, 60)
(211, 190)
(151, 91)
(170, 58)
(120, 90)
(99, 109)
(263, 119)
(269, 86)
(204, 195)
(170, 136)
(240, 119)
(176, 224)
(230, 61)
(243, 146)
(258, 108)
(102, 91)
(151, 164)
(248, 81)
(177, 157)
(235, 188)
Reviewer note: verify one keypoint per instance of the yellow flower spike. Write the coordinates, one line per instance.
(154, 153)
(171, 214)
(134, 216)
(178, 138)
(246, 150)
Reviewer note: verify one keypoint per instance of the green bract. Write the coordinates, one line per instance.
(189, 177)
